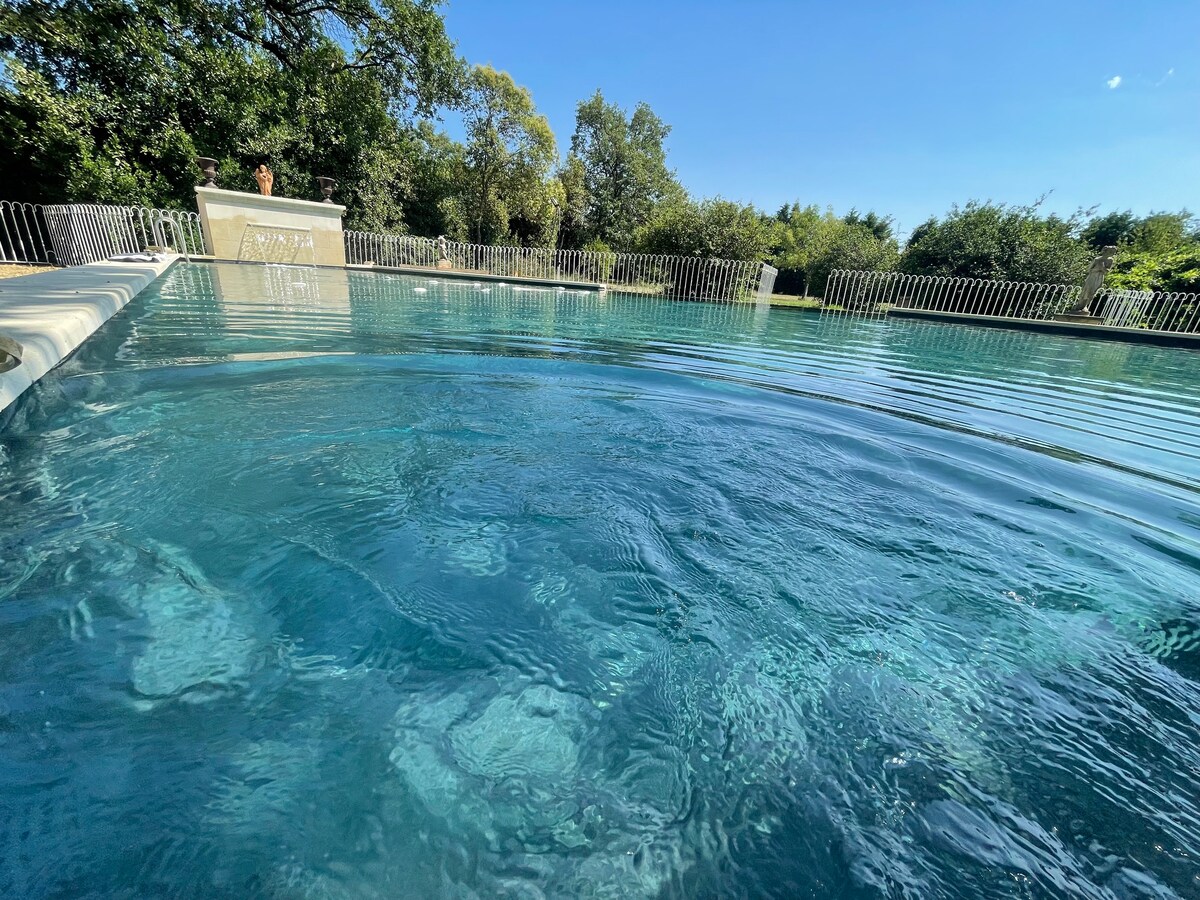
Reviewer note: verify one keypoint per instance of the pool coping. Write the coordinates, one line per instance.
(465, 275)
(1098, 332)
(52, 313)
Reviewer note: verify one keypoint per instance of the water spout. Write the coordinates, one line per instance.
(285, 244)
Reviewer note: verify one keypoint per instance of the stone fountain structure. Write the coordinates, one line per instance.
(264, 228)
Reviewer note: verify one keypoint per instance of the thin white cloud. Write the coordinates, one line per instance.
(1114, 82)
(1163, 80)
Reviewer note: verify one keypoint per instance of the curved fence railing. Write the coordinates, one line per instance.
(24, 235)
(874, 293)
(83, 233)
(78, 233)
(686, 277)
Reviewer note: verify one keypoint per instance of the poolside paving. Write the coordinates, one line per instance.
(51, 313)
(8, 270)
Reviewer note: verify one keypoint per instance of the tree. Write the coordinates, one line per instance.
(1158, 252)
(879, 226)
(399, 43)
(987, 240)
(802, 236)
(811, 244)
(1111, 230)
(1159, 232)
(624, 167)
(1174, 270)
(110, 100)
(435, 161)
(1164, 232)
(572, 227)
(708, 228)
(503, 192)
(852, 246)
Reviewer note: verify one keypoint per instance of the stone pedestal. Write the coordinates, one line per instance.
(233, 220)
(445, 264)
(1079, 319)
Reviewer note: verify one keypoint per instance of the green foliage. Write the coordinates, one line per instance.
(854, 247)
(624, 170)
(1173, 270)
(707, 228)
(879, 226)
(110, 100)
(434, 162)
(1163, 232)
(572, 226)
(987, 240)
(1157, 233)
(1111, 230)
(811, 244)
(1158, 252)
(606, 266)
(503, 194)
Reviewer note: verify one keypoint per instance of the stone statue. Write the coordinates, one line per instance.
(265, 178)
(1093, 282)
(443, 260)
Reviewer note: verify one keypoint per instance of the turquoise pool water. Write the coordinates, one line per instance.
(329, 585)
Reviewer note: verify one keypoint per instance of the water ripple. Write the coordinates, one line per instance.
(319, 585)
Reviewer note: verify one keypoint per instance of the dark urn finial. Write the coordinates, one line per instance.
(326, 185)
(209, 167)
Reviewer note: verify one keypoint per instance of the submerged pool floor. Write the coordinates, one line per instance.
(328, 584)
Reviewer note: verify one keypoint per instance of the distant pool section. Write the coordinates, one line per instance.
(325, 583)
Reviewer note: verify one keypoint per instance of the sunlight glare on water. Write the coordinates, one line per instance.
(336, 584)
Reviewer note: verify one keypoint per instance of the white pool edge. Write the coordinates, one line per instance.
(51, 313)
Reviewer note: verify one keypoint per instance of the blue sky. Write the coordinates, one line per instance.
(901, 107)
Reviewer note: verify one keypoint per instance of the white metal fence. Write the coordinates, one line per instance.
(686, 277)
(84, 233)
(75, 234)
(79, 233)
(873, 293)
(24, 235)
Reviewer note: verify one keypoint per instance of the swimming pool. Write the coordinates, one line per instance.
(329, 584)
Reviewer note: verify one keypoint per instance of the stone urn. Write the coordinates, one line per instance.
(326, 185)
(208, 166)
